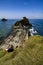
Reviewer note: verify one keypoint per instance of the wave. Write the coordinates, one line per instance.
(33, 31)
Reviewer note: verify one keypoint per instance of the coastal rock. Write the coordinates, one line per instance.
(23, 22)
(10, 48)
(4, 19)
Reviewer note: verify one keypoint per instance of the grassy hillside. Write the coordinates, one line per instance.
(29, 54)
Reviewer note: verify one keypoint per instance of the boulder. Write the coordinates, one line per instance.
(10, 48)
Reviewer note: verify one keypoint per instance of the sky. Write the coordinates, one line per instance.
(32, 9)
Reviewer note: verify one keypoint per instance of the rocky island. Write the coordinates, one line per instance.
(3, 19)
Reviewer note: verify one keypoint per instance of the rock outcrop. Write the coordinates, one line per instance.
(23, 22)
(4, 19)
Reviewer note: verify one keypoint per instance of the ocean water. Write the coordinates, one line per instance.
(38, 25)
(5, 27)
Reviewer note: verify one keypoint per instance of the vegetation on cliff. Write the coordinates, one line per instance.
(29, 54)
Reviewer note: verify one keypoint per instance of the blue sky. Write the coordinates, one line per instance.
(20, 8)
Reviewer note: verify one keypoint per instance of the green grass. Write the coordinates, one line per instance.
(2, 53)
(31, 54)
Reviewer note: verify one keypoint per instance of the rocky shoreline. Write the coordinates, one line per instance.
(18, 35)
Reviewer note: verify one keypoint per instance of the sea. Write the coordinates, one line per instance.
(37, 25)
(5, 27)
